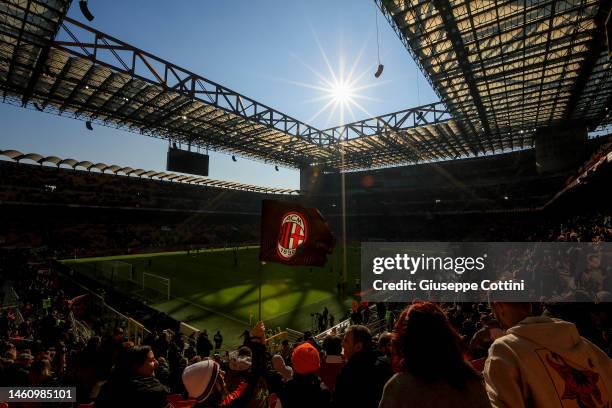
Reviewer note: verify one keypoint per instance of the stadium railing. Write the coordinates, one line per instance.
(376, 326)
(273, 343)
(111, 317)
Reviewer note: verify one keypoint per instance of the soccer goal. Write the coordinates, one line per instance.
(155, 287)
(116, 271)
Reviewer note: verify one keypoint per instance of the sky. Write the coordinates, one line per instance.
(286, 54)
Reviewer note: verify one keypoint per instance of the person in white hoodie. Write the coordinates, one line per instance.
(543, 363)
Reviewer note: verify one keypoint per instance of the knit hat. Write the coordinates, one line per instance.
(279, 365)
(200, 378)
(305, 359)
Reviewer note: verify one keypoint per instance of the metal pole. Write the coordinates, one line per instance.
(261, 264)
(343, 207)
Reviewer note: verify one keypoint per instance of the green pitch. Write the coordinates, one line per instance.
(209, 291)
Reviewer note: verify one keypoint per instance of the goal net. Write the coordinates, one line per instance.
(155, 287)
(115, 271)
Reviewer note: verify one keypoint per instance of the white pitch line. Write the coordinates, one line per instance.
(199, 306)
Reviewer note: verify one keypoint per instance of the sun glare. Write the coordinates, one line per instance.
(341, 88)
(341, 92)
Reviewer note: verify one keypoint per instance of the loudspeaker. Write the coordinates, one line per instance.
(379, 71)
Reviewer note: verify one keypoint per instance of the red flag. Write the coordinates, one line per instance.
(294, 235)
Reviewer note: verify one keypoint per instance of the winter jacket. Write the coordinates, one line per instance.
(132, 392)
(404, 390)
(305, 391)
(360, 382)
(543, 362)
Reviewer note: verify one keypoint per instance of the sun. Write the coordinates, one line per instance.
(342, 89)
(341, 92)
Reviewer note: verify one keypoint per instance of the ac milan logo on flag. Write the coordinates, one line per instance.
(293, 233)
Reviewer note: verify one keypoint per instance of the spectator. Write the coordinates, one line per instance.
(325, 315)
(278, 364)
(204, 345)
(543, 362)
(40, 374)
(17, 373)
(204, 382)
(384, 354)
(285, 352)
(484, 337)
(109, 350)
(360, 381)
(218, 339)
(238, 377)
(333, 362)
(305, 389)
(432, 370)
(133, 382)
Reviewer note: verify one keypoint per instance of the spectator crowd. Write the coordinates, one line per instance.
(426, 355)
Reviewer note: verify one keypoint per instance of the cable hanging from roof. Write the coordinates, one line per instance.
(381, 67)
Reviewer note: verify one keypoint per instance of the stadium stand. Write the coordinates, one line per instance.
(58, 329)
(40, 326)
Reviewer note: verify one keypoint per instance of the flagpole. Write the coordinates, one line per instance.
(261, 264)
(343, 207)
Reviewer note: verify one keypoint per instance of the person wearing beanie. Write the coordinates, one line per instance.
(239, 368)
(204, 383)
(305, 389)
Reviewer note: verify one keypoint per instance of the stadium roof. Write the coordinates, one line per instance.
(501, 70)
(17, 156)
(506, 68)
(96, 77)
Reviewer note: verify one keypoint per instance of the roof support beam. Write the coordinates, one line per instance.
(452, 31)
(596, 46)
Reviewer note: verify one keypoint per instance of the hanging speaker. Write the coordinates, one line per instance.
(379, 71)
(85, 10)
(88, 125)
(234, 158)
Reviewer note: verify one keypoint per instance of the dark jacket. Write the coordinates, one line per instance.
(360, 382)
(305, 391)
(204, 346)
(16, 375)
(132, 392)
